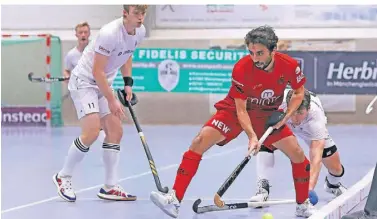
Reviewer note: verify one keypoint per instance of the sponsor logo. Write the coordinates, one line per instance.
(23, 116)
(104, 50)
(220, 125)
(267, 98)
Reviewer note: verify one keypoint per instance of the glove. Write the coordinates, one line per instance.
(313, 197)
(122, 98)
(275, 117)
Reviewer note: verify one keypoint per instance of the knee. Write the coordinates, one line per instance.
(114, 131)
(197, 144)
(90, 134)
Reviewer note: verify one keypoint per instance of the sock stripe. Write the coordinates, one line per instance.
(111, 146)
(80, 145)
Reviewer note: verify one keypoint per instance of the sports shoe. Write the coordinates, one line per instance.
(168, 202)
(336, 190)
(116, 193)
(306, 209)
(64, 186)
(262, 193)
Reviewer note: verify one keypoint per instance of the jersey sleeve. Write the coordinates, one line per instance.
(68, 65)
(295, 75)
(105, 43)
(237, 88)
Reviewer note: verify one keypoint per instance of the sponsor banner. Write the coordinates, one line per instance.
(339, 72)
(278, 16)
(23, 116)
(182, 70)
(209, 71)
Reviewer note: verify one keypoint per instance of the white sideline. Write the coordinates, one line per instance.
(123, 179)
(343, 204)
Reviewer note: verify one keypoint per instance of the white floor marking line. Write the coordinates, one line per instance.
(123, 179)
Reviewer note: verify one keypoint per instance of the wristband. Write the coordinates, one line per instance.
(128, 81)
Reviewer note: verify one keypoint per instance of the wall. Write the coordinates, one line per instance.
(167, 108)
(174, 108)
(62, 17)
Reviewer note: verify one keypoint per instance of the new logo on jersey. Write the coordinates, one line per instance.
(168, 74)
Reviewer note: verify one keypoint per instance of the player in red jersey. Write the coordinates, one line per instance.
(257, 90)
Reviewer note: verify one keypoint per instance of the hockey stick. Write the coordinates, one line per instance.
(146, 148)
(45, 79)
(233, 206)
(236, 172)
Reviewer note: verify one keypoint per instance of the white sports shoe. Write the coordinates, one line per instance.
(168, 203)
(336, 190)
(305, 209)
(64, 186)
(115, 193)
(262, 193)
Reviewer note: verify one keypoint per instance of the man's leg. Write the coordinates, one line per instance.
(212, 133)
(111, 155)
(86, 104)
(300, 171)
(265, 163)
(331, 160)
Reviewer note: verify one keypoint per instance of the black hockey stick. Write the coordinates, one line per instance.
(229, 181)
(157, 181)
(45, 79)
(233, 206)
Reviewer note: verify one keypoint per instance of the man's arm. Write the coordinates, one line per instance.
(295, 102)
(66, 73)
(316, 151)
(99, 64)
(243, 117)
(126, 69)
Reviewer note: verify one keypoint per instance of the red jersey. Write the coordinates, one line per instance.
(262, 90)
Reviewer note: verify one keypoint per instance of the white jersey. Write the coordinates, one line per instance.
(72, 58)
(112, 41)
(313, 127)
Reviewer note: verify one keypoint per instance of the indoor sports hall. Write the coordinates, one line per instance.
(180, 70)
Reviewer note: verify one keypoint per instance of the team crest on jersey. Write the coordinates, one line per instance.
(168, 74)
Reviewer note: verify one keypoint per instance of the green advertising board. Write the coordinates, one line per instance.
(182, 70)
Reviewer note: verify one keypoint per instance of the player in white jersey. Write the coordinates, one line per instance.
(308, 123)
(95, 102)
(71, 59)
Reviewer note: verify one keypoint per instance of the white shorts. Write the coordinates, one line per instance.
(87, 98)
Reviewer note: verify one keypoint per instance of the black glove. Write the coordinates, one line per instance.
(122, 98)
(275, 117)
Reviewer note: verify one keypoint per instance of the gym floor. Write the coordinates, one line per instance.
(30, 157)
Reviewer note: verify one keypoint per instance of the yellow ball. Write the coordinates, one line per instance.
(267, 216)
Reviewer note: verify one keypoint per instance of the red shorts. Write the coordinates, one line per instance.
(227, 123)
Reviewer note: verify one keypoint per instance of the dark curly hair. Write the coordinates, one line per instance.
(264, 35)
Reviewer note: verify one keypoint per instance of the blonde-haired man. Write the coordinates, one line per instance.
(95, 102)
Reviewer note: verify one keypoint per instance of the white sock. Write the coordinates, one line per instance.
(111, 153)
(76, 153)
(265, 164)
(334, 180)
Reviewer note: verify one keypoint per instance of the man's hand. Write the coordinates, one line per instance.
(116, 108)
(254, 146)
(128, 91)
